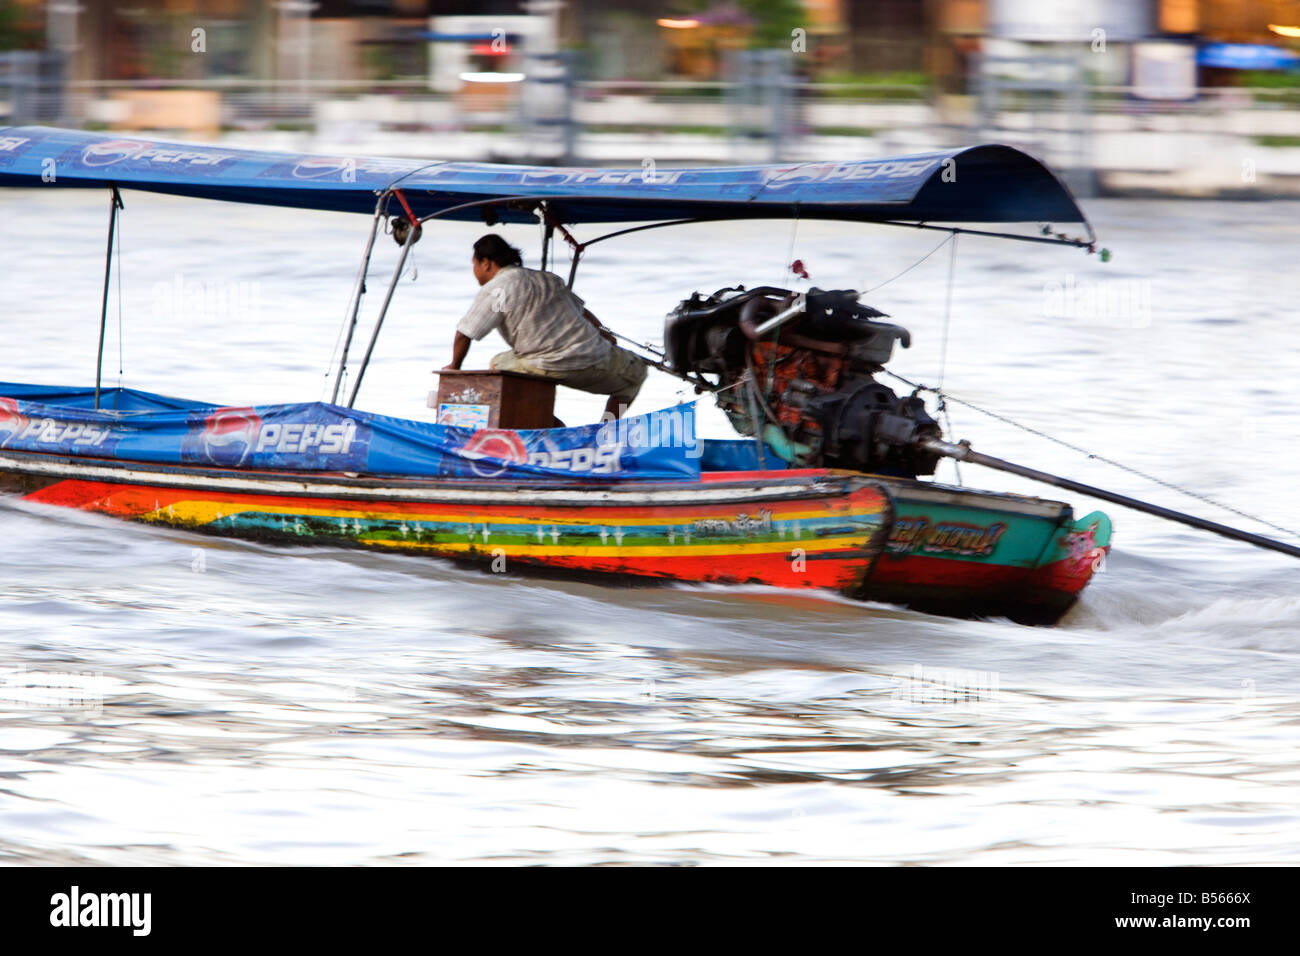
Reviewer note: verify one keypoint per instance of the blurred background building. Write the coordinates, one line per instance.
(1162, 95)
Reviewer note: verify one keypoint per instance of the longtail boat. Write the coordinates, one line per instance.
(826, 488)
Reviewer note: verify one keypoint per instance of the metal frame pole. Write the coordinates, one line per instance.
(115, 203)
(358, 289)
(383, 310)
(573, 265)
(548, 230)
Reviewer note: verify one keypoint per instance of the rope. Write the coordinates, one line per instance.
(1095, 457)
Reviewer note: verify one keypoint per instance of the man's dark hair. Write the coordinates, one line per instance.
(496, 249)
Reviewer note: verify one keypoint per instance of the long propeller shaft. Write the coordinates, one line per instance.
(963, 452)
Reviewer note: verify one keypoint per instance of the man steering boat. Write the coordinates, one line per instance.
(549, 329)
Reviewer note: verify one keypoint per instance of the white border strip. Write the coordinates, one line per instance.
(708, 493)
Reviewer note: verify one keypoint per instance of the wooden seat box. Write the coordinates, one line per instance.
(490, 399)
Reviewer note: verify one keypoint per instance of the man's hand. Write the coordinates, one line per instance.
(459, 349)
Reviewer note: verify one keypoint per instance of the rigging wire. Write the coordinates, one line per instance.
(751, 392)
(334, 353)
(1101, 458)
(951, 236)
(120, 363)
(947, 309)
(789, 255)
(943, 352)
(942, 406)
(642, 345)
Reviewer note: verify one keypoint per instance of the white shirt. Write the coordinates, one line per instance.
(539, 318)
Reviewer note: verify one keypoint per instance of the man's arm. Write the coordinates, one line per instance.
(486, 314)
(459, 349)
(604, 332)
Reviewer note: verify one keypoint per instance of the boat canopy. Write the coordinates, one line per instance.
(989, 184)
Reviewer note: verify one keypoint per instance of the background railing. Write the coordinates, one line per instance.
(761, 114)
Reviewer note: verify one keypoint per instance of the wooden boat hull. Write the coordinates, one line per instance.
(946, 550)
(822, 530)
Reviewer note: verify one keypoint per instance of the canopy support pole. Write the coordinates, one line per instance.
(548, 230)
(115, 203)
(358, 290)
(653, 225)
(553, 224)
(383, 310)
(573, 265)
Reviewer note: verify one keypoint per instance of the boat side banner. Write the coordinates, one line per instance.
(138, 426)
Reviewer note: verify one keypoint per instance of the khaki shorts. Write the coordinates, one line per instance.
(620, 375)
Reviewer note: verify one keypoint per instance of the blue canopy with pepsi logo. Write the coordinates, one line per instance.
(990, 183)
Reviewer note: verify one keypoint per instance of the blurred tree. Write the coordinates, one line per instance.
(774, 21)
(20, 27)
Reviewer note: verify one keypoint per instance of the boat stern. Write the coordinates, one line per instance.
(1077, 551)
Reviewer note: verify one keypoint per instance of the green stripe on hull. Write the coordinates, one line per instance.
(507, 531)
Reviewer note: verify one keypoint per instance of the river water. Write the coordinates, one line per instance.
(171, 699)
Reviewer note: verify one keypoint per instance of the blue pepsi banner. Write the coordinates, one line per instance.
(139, 426)
(990, 183)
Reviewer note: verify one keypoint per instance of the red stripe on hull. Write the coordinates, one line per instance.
(832, 570)
(921, 570)
(1069, 576)
(970, 589)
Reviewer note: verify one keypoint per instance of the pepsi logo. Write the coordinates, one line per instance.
(12, 421)
(229, 434)
(501, 444)
(112, 151)
(318, 167)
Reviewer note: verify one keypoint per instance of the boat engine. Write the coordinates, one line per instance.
(799, 371)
